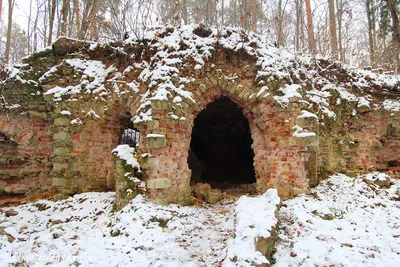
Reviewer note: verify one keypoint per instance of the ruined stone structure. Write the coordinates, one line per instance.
(64, 110)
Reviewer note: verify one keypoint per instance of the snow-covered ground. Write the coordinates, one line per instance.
(84, 230)
(346, 222)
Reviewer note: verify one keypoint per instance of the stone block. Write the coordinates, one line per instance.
(61, 182)
(230, 86)
(18, 190)
(298, 191)
(61, 151)
(153, 124)
(159, 183)
(203, 87)
(62, 121)
(2, 185)
(212, 78)
(364, 108)
(309, 123)
(312, 141)
(213, 196)
(61, 136)
(147, 162)
(159, 104)
(156, 142)
(58, 167)
(294, 141)
(238, 89)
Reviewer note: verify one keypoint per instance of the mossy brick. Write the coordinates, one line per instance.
(61, 182)
(159, 183)
(153, 124)
(211, 78)
(159, 104)
(222, 81)
(61, 151)
(2, 185)
(59, 167)
(156, 142)
(148, 162)
(203, 87)
(62, 121)
(307, 123)
(62, 136)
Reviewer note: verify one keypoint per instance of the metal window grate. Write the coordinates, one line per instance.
(130, 137)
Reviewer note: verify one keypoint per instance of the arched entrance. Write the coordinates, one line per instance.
(220, 150)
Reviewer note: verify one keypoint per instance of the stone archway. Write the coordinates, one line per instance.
(220, 149)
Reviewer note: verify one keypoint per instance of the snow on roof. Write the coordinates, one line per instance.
(94, 73)
(162, 53)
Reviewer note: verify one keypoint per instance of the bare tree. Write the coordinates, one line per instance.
(371, 25)
(89, 13)
(299, 17)
(310, 31)
(11, 4)
(396, 27)
(279, 22)
(1, 8)
(332, 28)
(339, 15)
(77, 15)
(52, 14)
(64, 17)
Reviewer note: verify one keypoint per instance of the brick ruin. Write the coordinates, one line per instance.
(60, 120)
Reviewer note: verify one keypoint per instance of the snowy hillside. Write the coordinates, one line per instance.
(345, 223)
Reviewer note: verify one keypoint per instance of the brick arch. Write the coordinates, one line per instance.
(92, 144)
(281, 160)
(250, 112)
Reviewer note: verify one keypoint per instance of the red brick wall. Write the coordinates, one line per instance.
(25, 156)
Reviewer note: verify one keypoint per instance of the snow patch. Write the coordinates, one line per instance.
(301, 133)
(307, 114)
(255, 218)
(66, 112)
(127, 153)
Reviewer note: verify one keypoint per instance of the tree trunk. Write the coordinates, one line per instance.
(396, 28)
(29, 34)
(310, 30)
(85, 22)
(235, 3)
(299, 14)
(222, 12)
(339, 4)
(1, 8)
(332, 28)
(279, 18)
(52, 14)
(88, 16)
(185, 12)
(254, 10)
(45, 25)
(35, 38)
(369, 8)
(77, 16)
(64, 17)
(8, 42)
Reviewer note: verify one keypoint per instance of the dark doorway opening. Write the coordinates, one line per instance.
(220, 150)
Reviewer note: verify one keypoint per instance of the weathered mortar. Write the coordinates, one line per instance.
(72, 155)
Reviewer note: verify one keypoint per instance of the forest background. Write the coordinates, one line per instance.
(361, 33)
